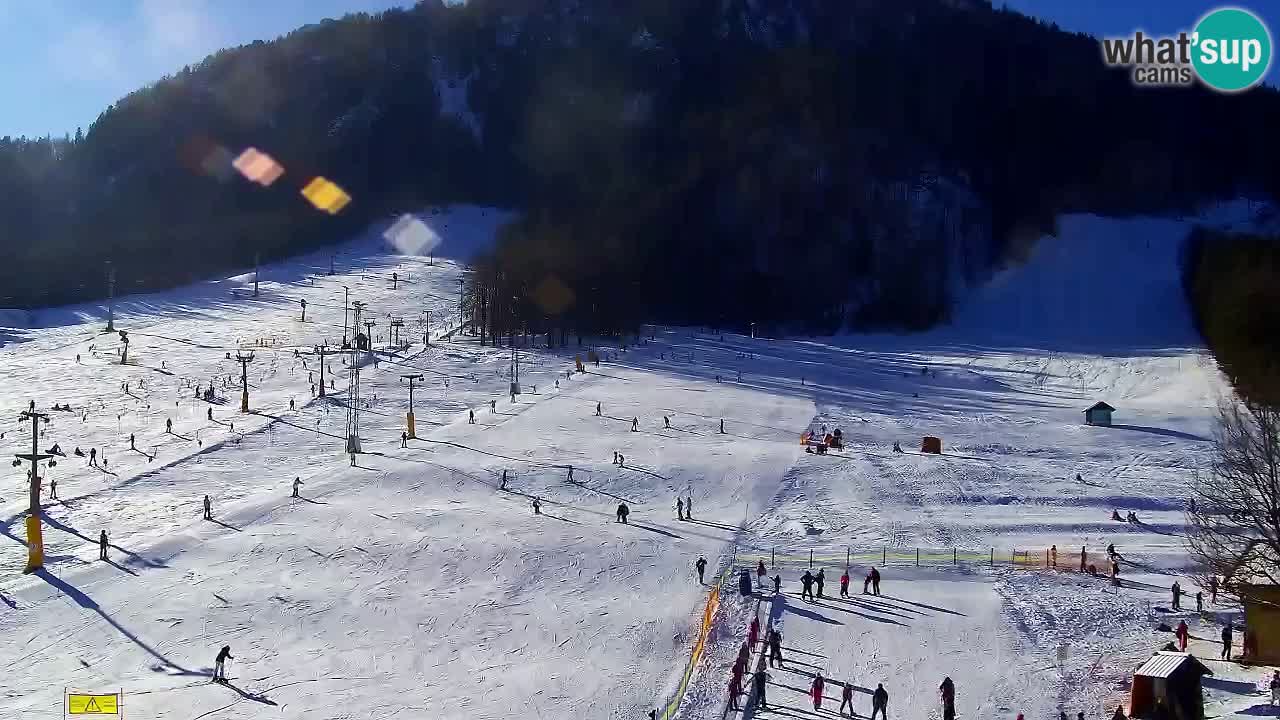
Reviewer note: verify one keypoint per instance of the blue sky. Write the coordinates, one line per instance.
(63, 61)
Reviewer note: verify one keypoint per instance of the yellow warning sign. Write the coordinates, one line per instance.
(93, 704)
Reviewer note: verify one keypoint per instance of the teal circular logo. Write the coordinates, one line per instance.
(1232, 49)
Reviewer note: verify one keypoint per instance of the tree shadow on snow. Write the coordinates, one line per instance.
(1263, 709)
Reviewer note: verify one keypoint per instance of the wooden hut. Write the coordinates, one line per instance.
(1099, 414)
(1261, 622)
(1171, 679)
(931, 444)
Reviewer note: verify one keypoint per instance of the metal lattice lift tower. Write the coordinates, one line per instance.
(353, 393)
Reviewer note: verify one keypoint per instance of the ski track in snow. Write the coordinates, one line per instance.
(411, 586)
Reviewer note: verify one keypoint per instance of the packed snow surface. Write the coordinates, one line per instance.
(413, 585)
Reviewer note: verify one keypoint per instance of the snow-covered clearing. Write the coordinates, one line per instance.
(412, 586)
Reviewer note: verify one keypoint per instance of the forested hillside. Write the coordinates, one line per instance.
(795, 163)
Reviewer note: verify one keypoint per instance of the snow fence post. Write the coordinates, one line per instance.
(993, 557)
(773, 557)
(917, 557)
(810, 559)
(955, 556)
(884, 555)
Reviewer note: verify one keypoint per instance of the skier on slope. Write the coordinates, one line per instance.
(598, 410)
(846, 697)
(471, 417)
(208, 508)
(775, 648)
(806, 581)
(1182, 633)
(297, 483)
(760, 572)
(815, 691)
(947, 691)
(1177, 595)
(537, 507)
(844, 584)
(880, 702)
(735, 689)
(635, 424)
(623, 512)
(761, 680)
(753, 632)
(688, 507)
(666, 422)
(132, 446)
(102, 545)
(777, 584)
(820, 580)
(701, 564)
(93, 456)
(220, 664)
(875, 582)
(679, 508)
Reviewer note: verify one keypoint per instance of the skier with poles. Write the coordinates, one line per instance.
(820, 580)
(220, 664)
(844, 584)
(623, 512)
(701, 564)
(102, 545)
(297, 482)
(208, 508)
(537, 507)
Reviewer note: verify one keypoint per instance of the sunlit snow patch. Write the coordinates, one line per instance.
(411, 236)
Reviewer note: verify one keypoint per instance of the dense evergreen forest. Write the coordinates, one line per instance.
(1233, 282)
(800, 164)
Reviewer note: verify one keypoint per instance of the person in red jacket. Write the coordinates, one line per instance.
(1182, 633)
(753, 632)
(844, 584)
(816, 691)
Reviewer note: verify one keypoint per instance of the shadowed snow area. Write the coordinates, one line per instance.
(414, 585)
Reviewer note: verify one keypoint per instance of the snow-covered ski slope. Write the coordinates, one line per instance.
(412, 586)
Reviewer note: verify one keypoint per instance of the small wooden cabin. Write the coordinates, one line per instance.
(1171, 679)
(1099, 414)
